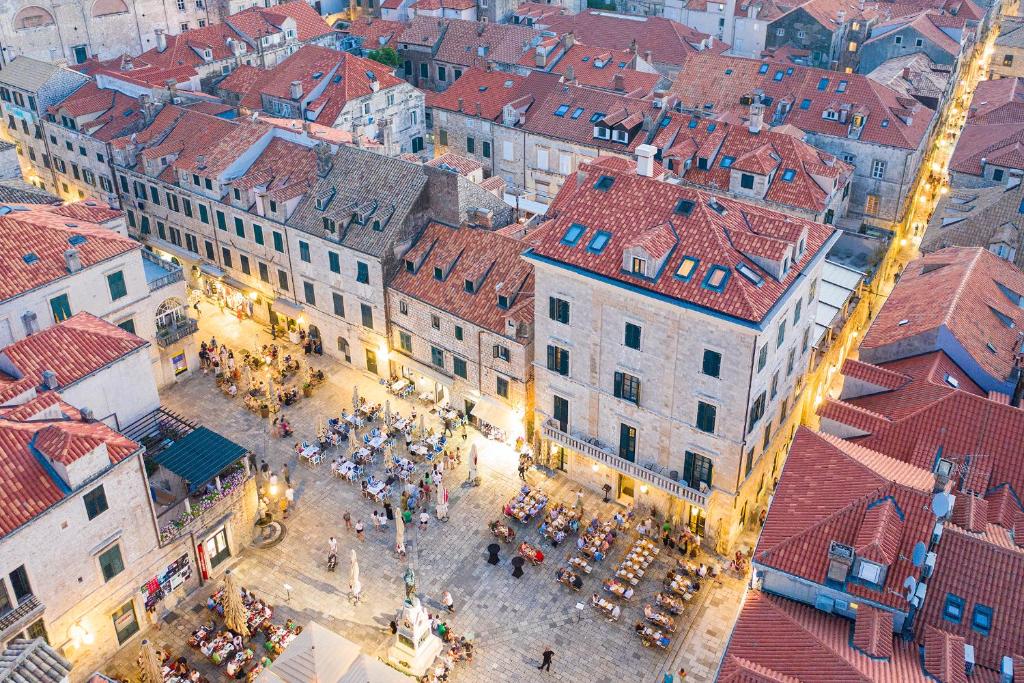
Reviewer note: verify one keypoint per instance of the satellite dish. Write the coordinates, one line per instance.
(920, 551)
(910, 583)
(940, 504)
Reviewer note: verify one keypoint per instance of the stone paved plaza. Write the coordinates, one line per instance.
(510, 620)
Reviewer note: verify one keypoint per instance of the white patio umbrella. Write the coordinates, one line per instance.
(442, 501)
(247, 374)
(399, 532)
(423, 431)
(353, 576)
(387, 413)
(472, 463)
(355, 397)
(152, 672)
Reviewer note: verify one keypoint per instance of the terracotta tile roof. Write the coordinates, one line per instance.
(776, 639)
(12, 389)
(670, 42)
(355, 82)
(110, 113)
(30, 488)
(464, 40)
(487, 92)
(460, 164)
(851, 415)
(73, 349)
(963, 291)
(376, 33)
(633, 204)
(284, 170)
(33, 242)
(597, 67)
(495, 184)
(89, 211)
(827, 496)
(872, 632)
(429, 5)
(971, 513)
(423, 32)
(244, 82)
(480, 254)
(713, 83)
(536, 10)
(219, 141)
(628, 112)
(944, 656)
(259, 21)
(881, 377)
(997, 101)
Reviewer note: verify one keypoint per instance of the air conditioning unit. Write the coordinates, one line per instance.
(176, 100)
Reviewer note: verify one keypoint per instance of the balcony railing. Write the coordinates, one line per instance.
(174, 272)
(630, 469)
(165, 336)
(204, 510)
(27, 611)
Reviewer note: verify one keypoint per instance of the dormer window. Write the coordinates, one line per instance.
(503, 302)
(410, 267)
(438, 273)
(702, 163)
(858, 120)
(469, 286)
(329, 225)
(601, 133)
(620, 136)
(869, 572)
(638, 266)
(800, 246)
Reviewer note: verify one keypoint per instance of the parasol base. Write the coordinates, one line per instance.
(475, 481)
(270, 535)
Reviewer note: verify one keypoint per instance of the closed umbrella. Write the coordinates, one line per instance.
(152, 672)
(399, 532)
(442, 501)
(472, 463)
(355, 397)
(387, 413)
(235, 617)
(353, 577)
(423, 431)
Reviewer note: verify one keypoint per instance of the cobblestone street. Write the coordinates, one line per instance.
(510, 620)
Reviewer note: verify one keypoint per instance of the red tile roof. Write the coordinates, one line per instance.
(872, 632)
(463, 41)
(244, 82)
(997, 101)
(284, 169)
(956, 290)
(634, 204)
(261, 21)
(423, 32)
(777, 640)
(477, 253)
(109, 113)
(29, 487)
(613, 108)
(460, 164)
(597, 67)
(944, 656)
(376, 33)
(44, 233)
(816, 176)
(487, 92)
(883, 378)
(73, 349)
(669, 41)
(995, 128)
(713, 83)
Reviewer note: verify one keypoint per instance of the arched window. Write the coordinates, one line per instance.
(32, 17)
(170, 313)
(343, 347)
(105, 8)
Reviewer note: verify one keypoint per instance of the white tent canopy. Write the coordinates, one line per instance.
(319, 655)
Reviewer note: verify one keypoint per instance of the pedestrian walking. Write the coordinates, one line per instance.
(332, 544)
(359, 530)
(265, 469)
(388, 512)
(287, 475)
(376, 523)
(522, 471)
(448, 602)
(383, 520)
(424, 519)
(283, 505)
(348, 521)
(579, 500)
(289, 494)
(546, 662)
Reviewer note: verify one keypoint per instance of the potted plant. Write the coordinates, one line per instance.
(307, 389)
(264, 410)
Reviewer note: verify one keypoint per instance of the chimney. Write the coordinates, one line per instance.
(295, 90)
(478, 110)
(87, 415)
(200, 161)
(540, 58)
(570, 74)
(581, 177)
(481, 27)
(49, 379)
(648, 56)
(645, 160)
(569, 39)
(161, 40)
(72, 260)
(756, 117)
(172, 88)
(461, 102)
(1018, 389)
(619, 83)
(906, 73)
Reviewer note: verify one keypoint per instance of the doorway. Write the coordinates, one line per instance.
(698, 520)
(625, 489)
(371, 361)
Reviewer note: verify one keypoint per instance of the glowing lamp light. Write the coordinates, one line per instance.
(79, 635)
(595, 467)
(253, 296)
(301, 320)
(273, 489)
(643, 488)
(903, 242)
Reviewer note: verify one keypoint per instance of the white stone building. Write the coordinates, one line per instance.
(672, 338)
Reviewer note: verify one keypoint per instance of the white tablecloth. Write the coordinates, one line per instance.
(377, 441)
(399, 385)
(310, 451)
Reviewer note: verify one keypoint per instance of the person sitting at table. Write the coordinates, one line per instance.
(595, 600)
(206, 648)
(558, 537)
(560, 574)
(507, 509)
(598, 555)
(577, 582)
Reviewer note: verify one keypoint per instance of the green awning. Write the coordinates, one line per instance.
(199, 456)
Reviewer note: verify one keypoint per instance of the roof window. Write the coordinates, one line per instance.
(749, 273)
(711, 127)
(30, 258)
(596, 116)
(841, 88)
(788, 175)
(576, 113)
(562, 109)
(693, 122)
(727, 161)
(687, 268)
(952, 381)
(573, 234)
(599, 241)
(902, 323)
(317, 75)
(778, 76)
(763, 69)
(684, 207)
(805, 105)
(1013, 296)
(716, 278)
(604, 183)
(75, 240)
(885, 123)
(822, 84)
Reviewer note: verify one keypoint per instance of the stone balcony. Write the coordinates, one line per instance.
(165, 336)
(16, 620)
(179, 519)
(594, 450)
(160, 273)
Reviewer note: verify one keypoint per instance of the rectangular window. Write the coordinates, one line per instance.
(558, 360)
(187, 206)
(208, 245)
(627, 442)
(470, 145)
(627, 387)
(243, 261)
(459, 367)
(405, 341)
(128, 326)
(282, 279)
(435, 321)
(762, 358)
(780, 337)
(309, 293)
(366, 312)
(485, 149)
(706, 414)
(437, 357)
(115, 282)
(501, 352)
(878, 169)
(560, 412)
(558, 309)
(225, 256)
(501, 386)
(257, 233)
(697, 470)
(111, 562)
(756, 411)
(953, 609)
(362, 272)
(458, 332)
(60, 307)
(796, 312)
(791, 362)
(95, 502)
(222, 222)
(746, 181)
(126, 624)
(403, 308)
(712, 363)
(334, 261)
(872, 205)
(278, 241)
(339, 304)
(981, 619)
(304, 252)
(632, 339)
(775, 385)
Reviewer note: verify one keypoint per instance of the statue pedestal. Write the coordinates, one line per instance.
(415, 647)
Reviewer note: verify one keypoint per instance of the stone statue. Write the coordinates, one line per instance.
(410, 583)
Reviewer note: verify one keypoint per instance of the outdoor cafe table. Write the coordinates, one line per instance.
(399, 385)
(354, 419)
(400, 425)
(419, 449)
(376, 489)
(377, 441)
(311, 455)
(346, 469)
(427, 397)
